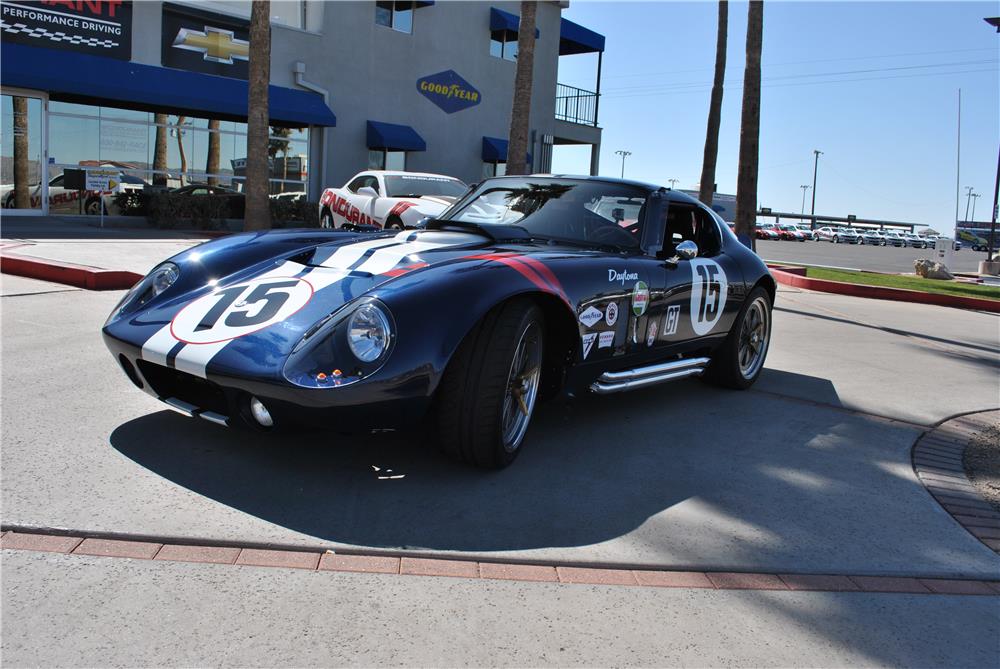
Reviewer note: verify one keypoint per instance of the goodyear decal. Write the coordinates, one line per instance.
(449, 91)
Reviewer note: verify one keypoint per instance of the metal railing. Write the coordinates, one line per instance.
(576, 105)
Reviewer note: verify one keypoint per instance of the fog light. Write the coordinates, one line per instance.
(260, 413)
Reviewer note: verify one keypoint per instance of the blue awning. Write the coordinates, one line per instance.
(495, 150)
(574, 38)
(394, 137)
(501, 20)
(97, 80)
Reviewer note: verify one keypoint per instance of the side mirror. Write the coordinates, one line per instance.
(367, 191)
(654, 222)
(686, 250)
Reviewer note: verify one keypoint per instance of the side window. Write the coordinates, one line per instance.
(57, 182)
(371, 182)
(356, 184)
(706, 234)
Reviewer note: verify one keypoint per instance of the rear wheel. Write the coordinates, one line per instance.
(94, 206)
(326, 219)
(488, 393)
(740, 359)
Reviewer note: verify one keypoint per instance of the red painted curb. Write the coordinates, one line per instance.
(792, 277)
(81, 276)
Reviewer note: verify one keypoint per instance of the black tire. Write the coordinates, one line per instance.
(93, 207)
(393, 223)
(470, 404)
(326, 220)
(726, 369)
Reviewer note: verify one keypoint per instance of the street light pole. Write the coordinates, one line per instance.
(672, 182)
(812, 214)
(804, 188)
(968, 197)
(975, 196)
(624, 155)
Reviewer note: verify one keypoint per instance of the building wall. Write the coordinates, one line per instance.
(371, 73)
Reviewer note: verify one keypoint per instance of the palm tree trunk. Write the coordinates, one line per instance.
(181, 120)
(160, 151)
(212, 162)
(258, 212)
(746, 180)
(707, 188)
(22, 189)
(520, 114)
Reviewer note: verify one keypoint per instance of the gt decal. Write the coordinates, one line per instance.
(591, 316)
(672, 319)
(588, 343)
(709, 287)
(611, 313)
(240, 310)
(640, 298)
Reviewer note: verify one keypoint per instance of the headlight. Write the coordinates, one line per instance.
(368, 332)
(155, 283)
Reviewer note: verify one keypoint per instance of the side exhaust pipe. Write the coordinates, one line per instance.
(640, 377)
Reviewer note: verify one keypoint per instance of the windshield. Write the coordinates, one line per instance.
(592, 212)
(410, 185)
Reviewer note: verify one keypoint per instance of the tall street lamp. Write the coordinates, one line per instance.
(968, 198)
(975, 196)
(672, 182)
(812, 214)
(804, 188)
(624, 155)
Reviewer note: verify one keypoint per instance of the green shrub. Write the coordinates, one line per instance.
(203, 212)
(286, 213)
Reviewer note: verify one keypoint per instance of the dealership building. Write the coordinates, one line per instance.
(157, 91)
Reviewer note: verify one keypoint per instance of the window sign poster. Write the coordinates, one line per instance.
(98, 27)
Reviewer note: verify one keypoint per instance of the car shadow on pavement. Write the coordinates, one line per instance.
(683, 475)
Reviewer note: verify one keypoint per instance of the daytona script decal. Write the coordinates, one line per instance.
(240, 310)
(621, 277)
(709, 288)
(591, 316)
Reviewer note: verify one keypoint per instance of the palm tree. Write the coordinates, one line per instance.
(160, 151)
(22, 190)
(276, 146)
(517, 146)
(212, 162)
(258, 211)
(746, 180)
(707, 189)
(181, 121)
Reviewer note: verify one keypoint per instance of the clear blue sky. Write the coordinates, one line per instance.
(872, 85)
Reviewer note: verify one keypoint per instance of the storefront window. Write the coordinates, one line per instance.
(395, 15)
(494, 169)
(20, 152)
(380, 159)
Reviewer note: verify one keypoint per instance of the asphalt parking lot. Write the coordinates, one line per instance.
(810, 471)
(861, 256)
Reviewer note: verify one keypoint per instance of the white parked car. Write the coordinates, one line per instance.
(64, 200)
(385, 199)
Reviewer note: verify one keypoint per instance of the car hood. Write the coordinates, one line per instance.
(183, 331)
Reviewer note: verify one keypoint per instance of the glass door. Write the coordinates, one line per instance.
(22, 153)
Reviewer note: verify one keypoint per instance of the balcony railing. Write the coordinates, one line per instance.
(576, 105)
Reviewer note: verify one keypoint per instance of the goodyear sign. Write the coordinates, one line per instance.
(449, 91)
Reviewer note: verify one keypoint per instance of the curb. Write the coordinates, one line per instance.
(795, 276)
(937, 461)
(329, 561)
(81, 276)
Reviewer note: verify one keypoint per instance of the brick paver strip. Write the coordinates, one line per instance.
(140, 550)
(970, 511)
(206, 554)
(889, 584)
(435, 567)
(953, 465)
(967, 502)
(596, 576)
(518, 572)
(269, 558)
(979, 521)
(673, 579)
(992, 543)
(985, 532)
(369, 564)
(739, 581)
(819, 582)
(39, 542)
(946, 586)
(933, 472)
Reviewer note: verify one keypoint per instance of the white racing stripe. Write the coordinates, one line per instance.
(346, 256)
(386, 259)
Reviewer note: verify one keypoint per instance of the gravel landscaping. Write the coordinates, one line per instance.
(982, 463)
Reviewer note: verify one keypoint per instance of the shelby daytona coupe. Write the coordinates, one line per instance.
(525, 288)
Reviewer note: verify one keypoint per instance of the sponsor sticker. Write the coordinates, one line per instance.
(640, 298)
(591, 316)
(606, 339)
(651, 333)
(672, 319)
(709, 287)
(615, 276)
(588, 343)
(611, 313)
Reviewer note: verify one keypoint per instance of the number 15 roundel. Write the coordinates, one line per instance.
(240, 310)
(709, 288)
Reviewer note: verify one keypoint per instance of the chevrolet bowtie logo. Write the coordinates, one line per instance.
(218, 46)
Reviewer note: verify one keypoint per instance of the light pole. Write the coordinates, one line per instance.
(672, 182)
(968, 197)
(975, 196)
(804, 188)
(812, 214)
(624, 155)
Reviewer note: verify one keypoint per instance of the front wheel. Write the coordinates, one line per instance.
(488, 393)
(393, 223)
(326, 220)
(94, 206)
(740, 359)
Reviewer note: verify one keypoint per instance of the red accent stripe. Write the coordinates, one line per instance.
(530, 268)
(399, 208)
(399, 271)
